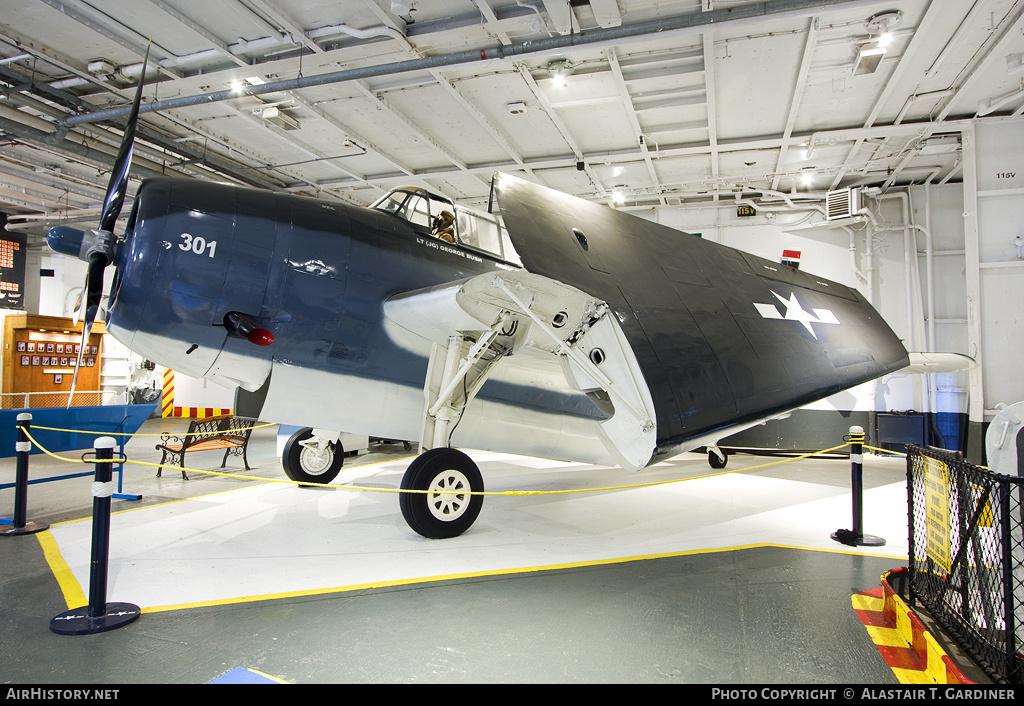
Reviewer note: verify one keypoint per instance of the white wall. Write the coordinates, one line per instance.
(1000, 195)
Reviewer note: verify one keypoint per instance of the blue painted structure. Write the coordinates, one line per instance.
(90, 422)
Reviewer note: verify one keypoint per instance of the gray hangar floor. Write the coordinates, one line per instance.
(715, 579)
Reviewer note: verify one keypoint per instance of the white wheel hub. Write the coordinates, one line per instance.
(315, 458)
(447, 499)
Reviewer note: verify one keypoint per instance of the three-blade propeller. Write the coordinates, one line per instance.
(103, 242)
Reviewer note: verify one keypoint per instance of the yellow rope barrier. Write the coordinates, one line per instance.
(403, 490)
(886, 451)
(123, 433)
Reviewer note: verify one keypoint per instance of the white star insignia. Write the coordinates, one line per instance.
(795, 312)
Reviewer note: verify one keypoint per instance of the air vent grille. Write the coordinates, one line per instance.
(842, 203)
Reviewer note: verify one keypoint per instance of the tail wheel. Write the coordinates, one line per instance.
(447, 510)
(715, 462)
(308, 464)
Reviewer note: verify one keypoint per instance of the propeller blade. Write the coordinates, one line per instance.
(79, 308)
(86, 330)
(122, 165)
(92, 293)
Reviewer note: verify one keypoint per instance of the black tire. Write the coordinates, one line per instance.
(441, 515)
(301, 464)
(716, 462)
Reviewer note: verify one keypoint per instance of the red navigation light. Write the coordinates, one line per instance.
(261, 337)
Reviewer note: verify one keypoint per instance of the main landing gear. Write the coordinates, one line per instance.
(445, 509)
(446, 476)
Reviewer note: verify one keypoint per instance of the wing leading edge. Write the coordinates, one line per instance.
(723, 338)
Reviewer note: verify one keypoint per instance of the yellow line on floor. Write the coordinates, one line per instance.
(73, 594)
(448, 577)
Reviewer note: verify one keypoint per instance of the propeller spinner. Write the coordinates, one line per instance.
(99, 247)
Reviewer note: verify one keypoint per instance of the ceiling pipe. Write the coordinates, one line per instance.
(131, 72)
(693, 22)
(371, 33)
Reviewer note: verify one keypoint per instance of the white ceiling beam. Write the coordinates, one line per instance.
(560, 15)
(260, 8)
(627, 104)
(364, 142)
(410, 125)
(606, 12)
(1009, 32)
(709, 91)
(490, 18)
(766, 143)
(486, 124)
(922, 34)
(108, 27)
(798, 92)
(215, 42)
(552, 114)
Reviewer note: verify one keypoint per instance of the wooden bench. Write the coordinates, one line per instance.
(210, 434)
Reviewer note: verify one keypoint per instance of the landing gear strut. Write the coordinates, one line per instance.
(446, 510)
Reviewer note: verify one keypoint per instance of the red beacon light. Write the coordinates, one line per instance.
(238, 324)
(260, 337)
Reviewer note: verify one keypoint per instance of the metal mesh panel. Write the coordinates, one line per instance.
(966, 555)
(27, 400)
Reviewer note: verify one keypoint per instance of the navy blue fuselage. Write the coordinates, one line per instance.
(722, 337)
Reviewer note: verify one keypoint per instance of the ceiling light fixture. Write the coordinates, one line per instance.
(884, 22)
(870, 54)
(868, 60)
(560, 70)
(276, 116)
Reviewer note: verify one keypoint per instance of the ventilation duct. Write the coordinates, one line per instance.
(842, 203)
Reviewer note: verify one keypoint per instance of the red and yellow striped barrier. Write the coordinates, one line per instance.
(906, 645)
(167, 408)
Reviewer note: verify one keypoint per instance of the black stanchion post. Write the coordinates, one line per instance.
(855, 537)
(22, 448)
(98, 616)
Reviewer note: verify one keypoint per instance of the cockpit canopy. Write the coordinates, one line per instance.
(442, 218)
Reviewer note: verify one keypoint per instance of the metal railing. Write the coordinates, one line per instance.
(35, 400)
(966, 555)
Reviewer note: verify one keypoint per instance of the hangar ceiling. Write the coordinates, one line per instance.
(637, 102)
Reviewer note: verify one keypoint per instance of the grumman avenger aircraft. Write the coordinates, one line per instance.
(565, 330)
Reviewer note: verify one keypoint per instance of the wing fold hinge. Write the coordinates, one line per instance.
(475, 323)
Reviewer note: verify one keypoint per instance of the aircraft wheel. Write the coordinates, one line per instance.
(304, 464)
(445, 511)
(715, 462)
